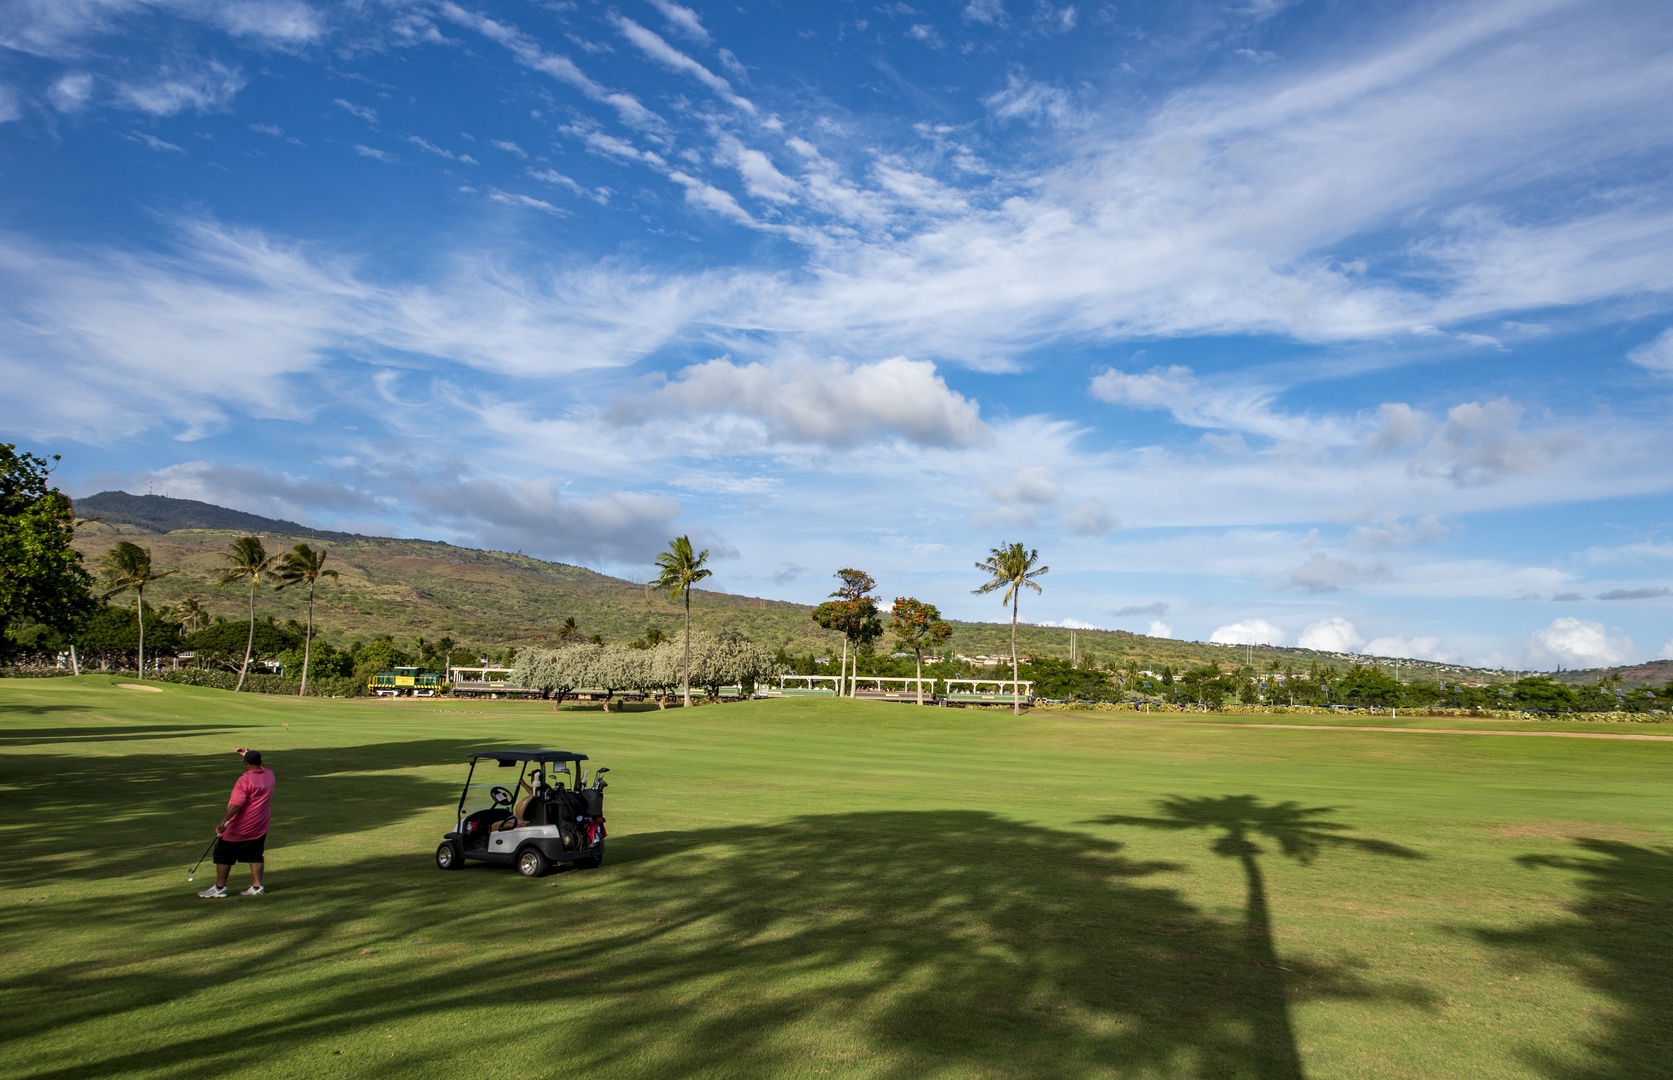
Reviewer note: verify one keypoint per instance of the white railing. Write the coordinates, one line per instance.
(1002, 688)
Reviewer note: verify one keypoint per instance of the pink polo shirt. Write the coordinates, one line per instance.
(252, 796)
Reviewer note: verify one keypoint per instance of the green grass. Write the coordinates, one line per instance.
(823, 888)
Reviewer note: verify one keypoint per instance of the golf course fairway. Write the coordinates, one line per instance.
(825, 888)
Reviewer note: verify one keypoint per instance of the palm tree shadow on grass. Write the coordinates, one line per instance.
(1300, 833)
(892, 945)
(1618, 942)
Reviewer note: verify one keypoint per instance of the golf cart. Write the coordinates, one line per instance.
(549, 815)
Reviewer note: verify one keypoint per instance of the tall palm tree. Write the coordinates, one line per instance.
(1012, 567)
(128, 567)
(247, 563)
(681, 569)
(303, 564)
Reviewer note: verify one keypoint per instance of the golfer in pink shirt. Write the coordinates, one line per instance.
(242, 833)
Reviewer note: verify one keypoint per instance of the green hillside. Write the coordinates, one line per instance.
(492, 599)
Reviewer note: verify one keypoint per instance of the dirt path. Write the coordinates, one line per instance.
(1385, 730)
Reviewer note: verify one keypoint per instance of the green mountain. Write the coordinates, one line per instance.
(492, 599)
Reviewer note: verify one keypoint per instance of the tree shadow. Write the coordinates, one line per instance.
(94, 816)
(130, 732)
(12, 708)
(895, 944)
(1300, 833)
(1618, 942)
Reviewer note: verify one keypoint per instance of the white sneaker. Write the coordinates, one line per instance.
(214, 892)
(253, 890)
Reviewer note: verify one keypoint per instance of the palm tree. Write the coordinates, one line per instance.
(681, 569)
(247, 562)
(303, 564)
(128, 567)
(1012, 567)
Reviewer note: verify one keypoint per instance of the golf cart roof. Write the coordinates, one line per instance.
(511, 757)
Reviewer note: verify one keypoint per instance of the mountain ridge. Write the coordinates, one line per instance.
(408, 587)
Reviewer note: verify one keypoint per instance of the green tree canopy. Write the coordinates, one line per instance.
(917, 626)
(41, 575)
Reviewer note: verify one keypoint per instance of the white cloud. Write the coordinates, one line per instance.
(1657, 355)
(527, 51)
(1158, 388)
(1091, 518)
(11, 104)
(652, 45)
(1036, 486)
(155, 143)
(71, 91)
(362, 112)
(1666, 652)
(1248, 632)
(509, 147)
(830, 403)
(1480, 443)
(683, 19)
(63, 28)
(1025, 99)
(1577, 643)
(1331, 634)
(621, 527)
(1159, 629)
(373, 153)
(1323, 573)
(210, 88)
(431, 148)
(529, 201)
(991, 12)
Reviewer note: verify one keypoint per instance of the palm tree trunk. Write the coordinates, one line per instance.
(307, 642)
(920, 653)
(842, 672)
(249, 642)
(140, 592)
(685, 674)
(1016, 700)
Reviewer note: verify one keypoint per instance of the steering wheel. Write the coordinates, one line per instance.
(500, 795)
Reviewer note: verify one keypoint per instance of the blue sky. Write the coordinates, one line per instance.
(1342, 325)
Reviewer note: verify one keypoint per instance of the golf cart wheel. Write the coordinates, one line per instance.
(532, 863)
(447, 857)
(592, 862)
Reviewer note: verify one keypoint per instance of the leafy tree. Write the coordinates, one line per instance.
(221, 644)
(1368, 687)
(1059, 680)
(681, 569)
(729, 658)
(379, 654)
(111, 635)
(1540, 692)
(41, 575)
(1013, 569)
(247, 563)
(127, 567)
(851, 612)
(303, 565)
(915, 626)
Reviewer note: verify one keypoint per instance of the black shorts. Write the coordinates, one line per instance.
(228, 852)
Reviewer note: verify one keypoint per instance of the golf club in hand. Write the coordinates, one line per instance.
(194, 871)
